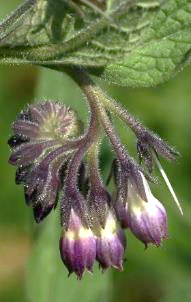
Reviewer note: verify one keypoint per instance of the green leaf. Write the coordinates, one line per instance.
(165, 48)
(130, 43)
(58, 33)
(47, 277)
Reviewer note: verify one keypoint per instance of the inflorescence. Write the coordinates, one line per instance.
(57, 162)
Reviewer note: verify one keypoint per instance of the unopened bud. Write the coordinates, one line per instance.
(39, 150)
(77, 246)
(111, 244)
(147, 219)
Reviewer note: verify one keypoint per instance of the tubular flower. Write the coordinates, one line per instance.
(77, 246)
(147, 219)
(111, 244)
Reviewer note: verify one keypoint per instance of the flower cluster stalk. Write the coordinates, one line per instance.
(56, 163)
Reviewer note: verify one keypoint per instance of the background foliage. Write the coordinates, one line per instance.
(30, 266)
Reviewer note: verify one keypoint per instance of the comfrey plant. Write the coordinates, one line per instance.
(131, 43)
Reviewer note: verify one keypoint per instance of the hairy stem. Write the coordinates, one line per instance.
(122, 113)
(93, 165)
(90, 136)
(94, 95)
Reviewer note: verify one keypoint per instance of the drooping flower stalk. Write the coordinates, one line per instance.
(129, 170)
(129, 166)
(71, 192)
(148, 142)
(78, 241)
(56, 163)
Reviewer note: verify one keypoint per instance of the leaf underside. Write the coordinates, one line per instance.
(130, 43)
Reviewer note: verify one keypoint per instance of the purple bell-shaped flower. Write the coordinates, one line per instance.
(77, 246)
(147, 219)
(111, 244)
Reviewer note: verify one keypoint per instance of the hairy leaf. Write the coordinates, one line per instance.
(165, 48)
(133, 43)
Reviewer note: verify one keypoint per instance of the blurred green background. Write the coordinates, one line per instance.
(30, 266)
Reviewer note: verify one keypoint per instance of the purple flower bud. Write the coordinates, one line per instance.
(42, 182)
(147, 219)
(17, 140)
(77, 246)
(46, 127)
(39, 150)
(47, 121)
(149, 142)
(111, 244)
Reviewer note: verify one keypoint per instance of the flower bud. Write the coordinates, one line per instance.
(147, 219)
(47, 120)
(40, 151)
(150, 143)
(41, 189)
(77, 246)
(40, 129)
(111, 244)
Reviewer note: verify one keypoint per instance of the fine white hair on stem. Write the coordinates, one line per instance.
(167, 182)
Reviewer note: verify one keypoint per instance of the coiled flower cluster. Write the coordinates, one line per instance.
(57, 163)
